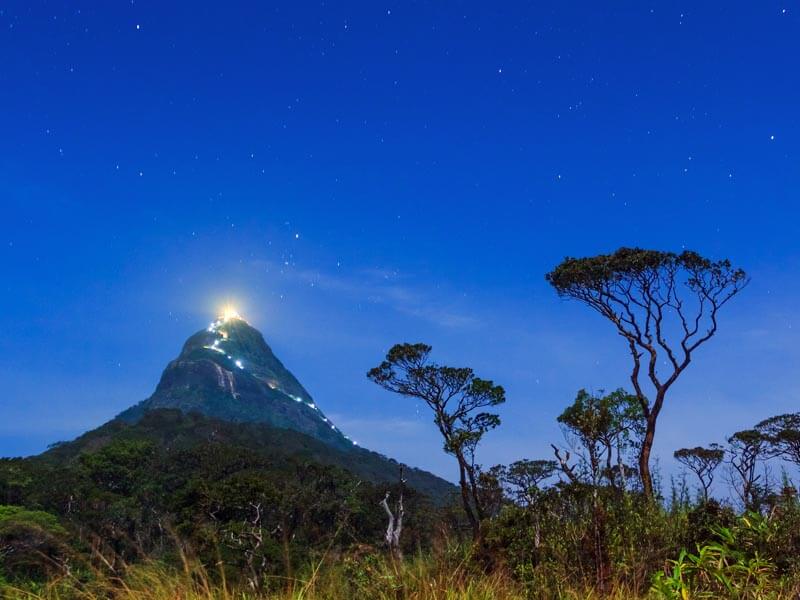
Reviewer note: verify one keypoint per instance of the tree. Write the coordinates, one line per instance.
(524, 478)
(782, 434)
(664, 305)
(457, 399)
(746, 449)
(603, 426)
(491, 490)
(606, 427)
(702, 462)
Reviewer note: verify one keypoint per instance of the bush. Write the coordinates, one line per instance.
(32, 543)
(732, 567)
(571, 536)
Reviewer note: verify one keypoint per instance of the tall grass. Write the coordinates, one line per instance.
(419, 578)
(447, 574)
(376, 578)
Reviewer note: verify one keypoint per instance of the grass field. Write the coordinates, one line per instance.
(376, 577)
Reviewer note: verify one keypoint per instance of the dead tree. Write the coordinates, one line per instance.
(395, 527)
(563, 461)
(247, 538)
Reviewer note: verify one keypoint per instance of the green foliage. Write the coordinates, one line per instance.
(577, 536)
(523, 479)
(120, 467)
(170, 428)
(32, 543)
(703, 519)
(608, 427)
(255, 498)
(629, 263)
(731, 567)
(596, 417)
(261, 518)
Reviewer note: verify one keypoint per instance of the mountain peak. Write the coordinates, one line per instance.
(228, 371)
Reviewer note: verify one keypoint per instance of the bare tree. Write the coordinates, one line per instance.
(457, 399)
(702, 462)
(247, 537)
(563, 462)
(664, 305)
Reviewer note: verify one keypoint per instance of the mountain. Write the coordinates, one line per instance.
(228, 374)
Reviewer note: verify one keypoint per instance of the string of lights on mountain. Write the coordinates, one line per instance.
(217, 328)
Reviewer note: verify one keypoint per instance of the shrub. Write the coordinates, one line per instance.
(731, 567)
(32, 543)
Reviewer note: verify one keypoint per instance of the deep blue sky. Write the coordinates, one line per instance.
(359, 174)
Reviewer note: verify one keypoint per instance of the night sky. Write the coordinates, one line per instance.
(353, 175)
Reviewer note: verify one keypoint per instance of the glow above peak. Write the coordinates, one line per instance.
(229, 312)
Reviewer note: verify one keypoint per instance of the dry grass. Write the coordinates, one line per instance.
(410, 580)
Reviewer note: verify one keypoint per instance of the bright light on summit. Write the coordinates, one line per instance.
(229, 312)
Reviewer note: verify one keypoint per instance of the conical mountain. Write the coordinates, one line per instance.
(227, 387)
(228, 372)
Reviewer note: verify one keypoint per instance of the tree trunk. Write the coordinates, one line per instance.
(395, 528)
(644, 457)
(287, 553)
(465, 498)
(600, 550)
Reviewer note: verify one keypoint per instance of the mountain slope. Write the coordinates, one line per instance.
(174, 430)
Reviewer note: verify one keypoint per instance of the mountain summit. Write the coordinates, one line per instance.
(227, 371)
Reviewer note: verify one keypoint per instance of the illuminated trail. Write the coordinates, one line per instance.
(229, 314)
